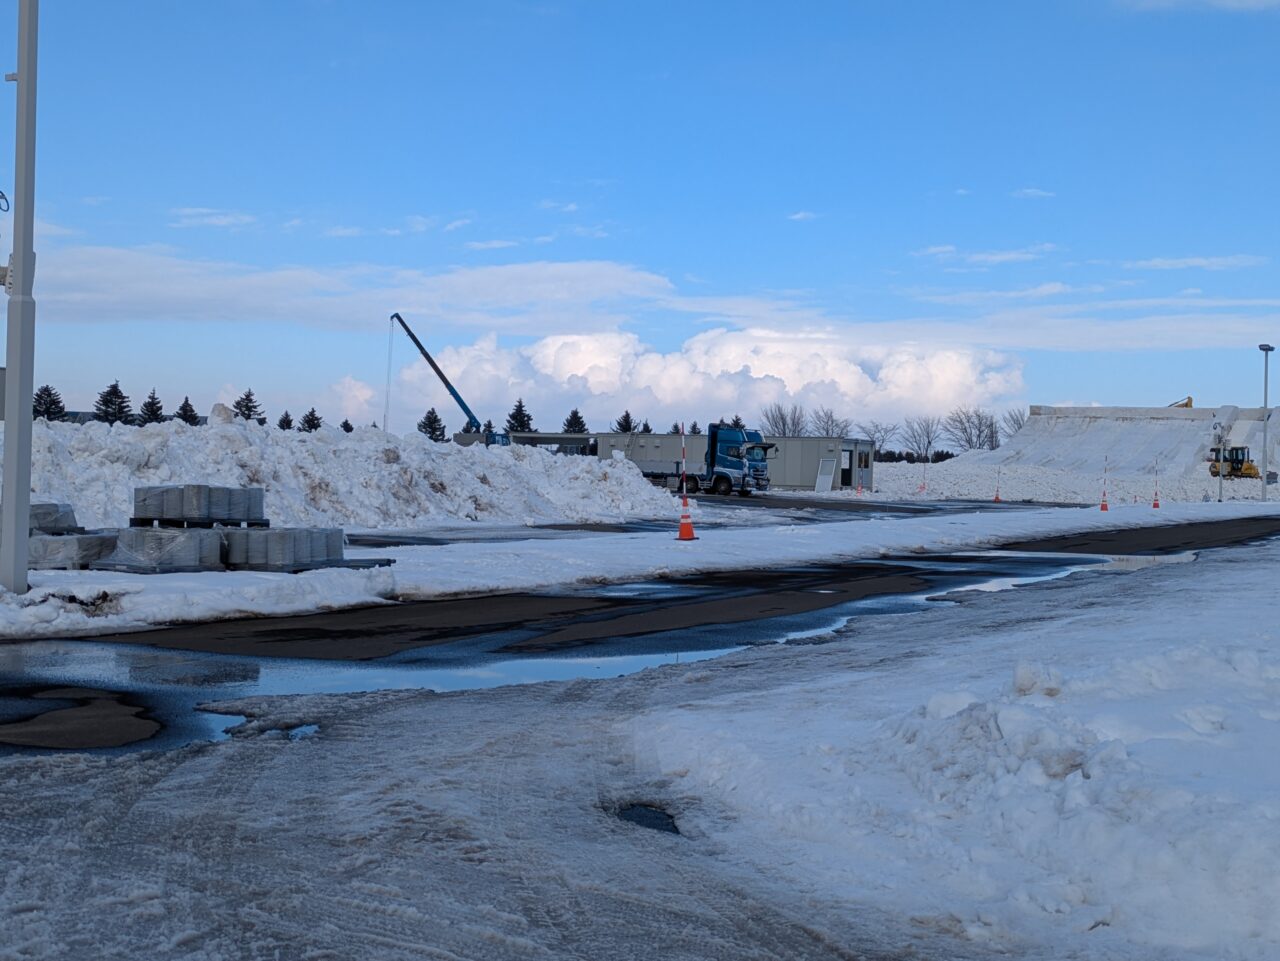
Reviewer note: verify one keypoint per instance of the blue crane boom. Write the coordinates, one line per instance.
(472, 421)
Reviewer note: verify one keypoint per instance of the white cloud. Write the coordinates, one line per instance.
(596, 233)
(1039, 291)
(458, 224)
(354, 399)
(564, 208)
(490, 244)
(341, 231)
(802, 215)
(416, 223)
(984, 258)
(963, 192)
(1230, 262)
(209, 217)
(44, 230)
(715, 373)
(1031, 193)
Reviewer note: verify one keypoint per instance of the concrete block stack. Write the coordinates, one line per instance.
(198, 505)
(57, 542)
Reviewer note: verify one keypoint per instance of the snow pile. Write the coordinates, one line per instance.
(1080, 766)
(1061, 453)
(365, 479)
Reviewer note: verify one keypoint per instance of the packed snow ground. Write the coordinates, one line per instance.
(366, 479)
(1065, 454)
(1086, 769)
(1080, 769)
(85, 603)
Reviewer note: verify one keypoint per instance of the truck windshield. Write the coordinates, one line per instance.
(755, 453)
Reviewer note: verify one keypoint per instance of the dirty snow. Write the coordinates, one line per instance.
(366, 479)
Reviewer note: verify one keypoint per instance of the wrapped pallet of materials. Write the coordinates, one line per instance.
(53, 518)
(68, 552)
(335, 543)
(148, 503)
(154, 550)
(257, 503)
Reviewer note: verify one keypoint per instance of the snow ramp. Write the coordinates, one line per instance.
(1174, 441)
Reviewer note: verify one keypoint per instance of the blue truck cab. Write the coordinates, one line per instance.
(737, 460)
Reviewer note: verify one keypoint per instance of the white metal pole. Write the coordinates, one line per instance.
(1266, 411)
(15, 505)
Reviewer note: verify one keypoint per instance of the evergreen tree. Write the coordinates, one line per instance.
(625, 424)
(737, 422)
(151, 411)
(432, 426)
(519, 419)
(488, 428)
(113, 406)
(645, 428)
(247, 406)
(47, 403)
(694, 428)
(346, 425)
(574, 423)
(468, 429)
(286, 421)
(675, 428)
(311, 421)
(186, 413)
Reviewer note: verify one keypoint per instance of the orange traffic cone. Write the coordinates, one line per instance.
(997, 500)
(1105, 465)
(686, 524)
(1104, 502)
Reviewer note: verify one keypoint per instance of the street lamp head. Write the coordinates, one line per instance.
(1265, 348)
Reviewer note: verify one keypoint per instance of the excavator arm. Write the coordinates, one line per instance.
(472, 421)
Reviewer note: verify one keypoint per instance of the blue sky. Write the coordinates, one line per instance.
(684, 209)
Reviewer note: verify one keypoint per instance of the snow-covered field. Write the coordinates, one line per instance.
(1079, 769)
(366, 479)
(84, 603)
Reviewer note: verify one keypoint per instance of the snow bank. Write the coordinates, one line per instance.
(1086, 767)
(1060, 455)
(365, 479)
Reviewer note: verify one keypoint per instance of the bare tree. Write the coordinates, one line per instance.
(921, 435)
(824, 422)
(878, 433)
(972, 428)
(1013, 421)
(780, 421)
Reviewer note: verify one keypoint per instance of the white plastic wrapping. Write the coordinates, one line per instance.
(68, 551)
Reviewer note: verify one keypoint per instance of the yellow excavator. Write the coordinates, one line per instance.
(1185, 402)
(1235, 463)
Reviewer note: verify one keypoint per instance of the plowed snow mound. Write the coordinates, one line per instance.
(364, 479)
(1060, 455)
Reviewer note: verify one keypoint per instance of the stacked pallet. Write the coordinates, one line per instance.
(57, 542)
(197, 527)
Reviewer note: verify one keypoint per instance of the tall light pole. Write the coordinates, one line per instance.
(1266, 411)
(15, 499)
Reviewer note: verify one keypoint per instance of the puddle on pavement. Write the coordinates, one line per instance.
(648, 816)
(169, 683)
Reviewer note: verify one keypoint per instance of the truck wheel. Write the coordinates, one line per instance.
(691, 485)
(721, 486)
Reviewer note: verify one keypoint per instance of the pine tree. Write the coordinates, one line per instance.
(645, 428)
(694, 428)
(112, 406)
(625, 424)
(432, 426)
(675, 427)
(347, 426)
(519, 420)
(488, 428)
(151, 411)
(186, 413)
(311, 421)
(737, 422)
(286, 421)
(247, 406)
(574, 423)
(468, 429)
(47, 403)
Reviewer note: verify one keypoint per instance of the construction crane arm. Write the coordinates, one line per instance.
(472, 421)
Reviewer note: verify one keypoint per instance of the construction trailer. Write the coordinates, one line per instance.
(799, 463)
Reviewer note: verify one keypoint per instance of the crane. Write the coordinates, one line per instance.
(473, 422)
